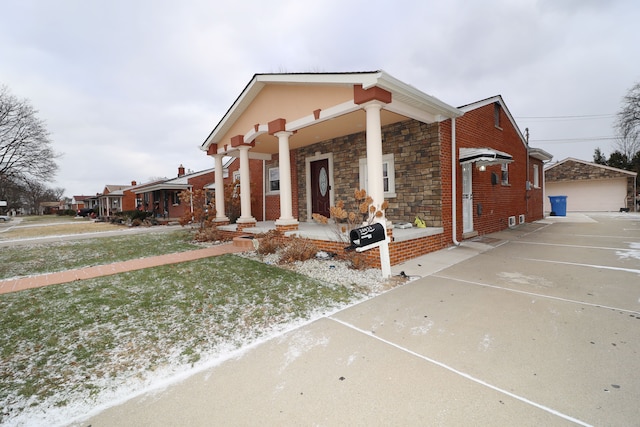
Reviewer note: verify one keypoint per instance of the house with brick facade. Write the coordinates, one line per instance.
(462, 171)
(501, 177)
(590, 187)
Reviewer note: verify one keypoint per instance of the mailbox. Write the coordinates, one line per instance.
(363, 237)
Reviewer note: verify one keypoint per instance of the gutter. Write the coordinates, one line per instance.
(454, 213)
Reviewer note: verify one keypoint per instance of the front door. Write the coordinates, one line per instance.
(320, 187)
(467, 199)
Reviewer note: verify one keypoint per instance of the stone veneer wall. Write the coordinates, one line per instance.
(577, 171)
(418, 176)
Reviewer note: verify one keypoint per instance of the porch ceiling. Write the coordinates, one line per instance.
(350, 123)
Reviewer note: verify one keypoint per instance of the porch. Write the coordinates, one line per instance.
(406, 243)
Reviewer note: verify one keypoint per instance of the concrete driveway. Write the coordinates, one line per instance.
(537, 325)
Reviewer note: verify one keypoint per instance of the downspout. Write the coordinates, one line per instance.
(454, 168)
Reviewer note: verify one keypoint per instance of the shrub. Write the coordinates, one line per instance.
(269, 242)
(297, 249)
(357, 261)
(210, 234)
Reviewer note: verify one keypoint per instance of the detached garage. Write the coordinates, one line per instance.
(590, 187)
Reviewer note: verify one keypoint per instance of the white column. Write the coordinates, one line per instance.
(375, 183)
(219, 183)
(284, 160)
(245, 187)
(375, 177)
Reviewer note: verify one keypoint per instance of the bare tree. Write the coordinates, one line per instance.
(25, 147)
(628, 123)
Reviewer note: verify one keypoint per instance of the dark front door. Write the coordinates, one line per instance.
(320, 187)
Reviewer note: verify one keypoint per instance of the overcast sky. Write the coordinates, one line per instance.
(130, 89)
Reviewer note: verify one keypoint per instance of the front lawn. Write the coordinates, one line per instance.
(71, 347)
(64, 255)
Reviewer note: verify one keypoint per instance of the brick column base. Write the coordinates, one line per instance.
(243, 225)
(284, 228)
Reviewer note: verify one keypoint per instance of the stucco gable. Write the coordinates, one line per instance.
(577, 170)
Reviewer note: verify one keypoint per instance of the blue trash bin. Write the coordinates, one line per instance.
(558, 205)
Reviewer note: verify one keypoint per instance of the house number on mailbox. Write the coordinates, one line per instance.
(323, 182)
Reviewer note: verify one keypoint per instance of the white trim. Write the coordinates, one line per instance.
(268, 191)
(389, 159)
(307, 172)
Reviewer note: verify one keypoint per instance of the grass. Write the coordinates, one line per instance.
(73, 342)
(64, 255)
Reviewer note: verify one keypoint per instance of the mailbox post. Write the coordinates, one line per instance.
(369, 237)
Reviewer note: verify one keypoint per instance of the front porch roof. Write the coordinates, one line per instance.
(317, 107)
(484, 156)
(162, 186)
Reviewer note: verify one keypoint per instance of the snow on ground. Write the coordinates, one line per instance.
(137, 379)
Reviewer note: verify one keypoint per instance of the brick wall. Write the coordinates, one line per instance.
(272, 201)
(476, 129)
(256, 176)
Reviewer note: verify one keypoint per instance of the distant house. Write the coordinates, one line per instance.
(110, 201)
(79, 202)
(590, 187)
(162, 198)
(465, 171)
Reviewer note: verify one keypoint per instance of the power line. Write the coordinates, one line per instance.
(579, 117)
(568, 140)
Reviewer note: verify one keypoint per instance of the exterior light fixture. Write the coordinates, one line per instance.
(482, 168)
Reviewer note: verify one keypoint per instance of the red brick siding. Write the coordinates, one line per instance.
(476, 129)
(273, 200)
(256, 176)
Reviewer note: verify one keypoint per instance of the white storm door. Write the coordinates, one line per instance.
(467, 199)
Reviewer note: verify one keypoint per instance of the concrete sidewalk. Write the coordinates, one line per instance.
(536, 325)
(37, 281)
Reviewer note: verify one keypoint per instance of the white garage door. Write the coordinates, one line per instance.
(589, 196)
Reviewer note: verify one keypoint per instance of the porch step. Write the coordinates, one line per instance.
(245, 242)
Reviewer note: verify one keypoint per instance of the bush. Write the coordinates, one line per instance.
(357, 261)
(269, 242)
(130, 216)
(297, 249)
(210, 234)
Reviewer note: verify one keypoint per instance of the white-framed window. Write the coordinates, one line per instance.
(504, 175)
(536, 176)
(236, 181)
(388, 175)
(273, 180)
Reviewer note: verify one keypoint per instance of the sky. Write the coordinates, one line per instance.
(130, 89)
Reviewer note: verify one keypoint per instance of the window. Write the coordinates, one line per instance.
(388, 175)
(536, 177)
(273, 180)
(236, 182)
(504, 168)
(496, 115)
(175, 199)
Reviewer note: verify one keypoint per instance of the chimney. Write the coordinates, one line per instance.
(133, 183)
(180, 171)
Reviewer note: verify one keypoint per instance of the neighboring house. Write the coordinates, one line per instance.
(110, 201)
(590, 187)
(320, 136)
(162, 198)
(79, 202)
(48, 208)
